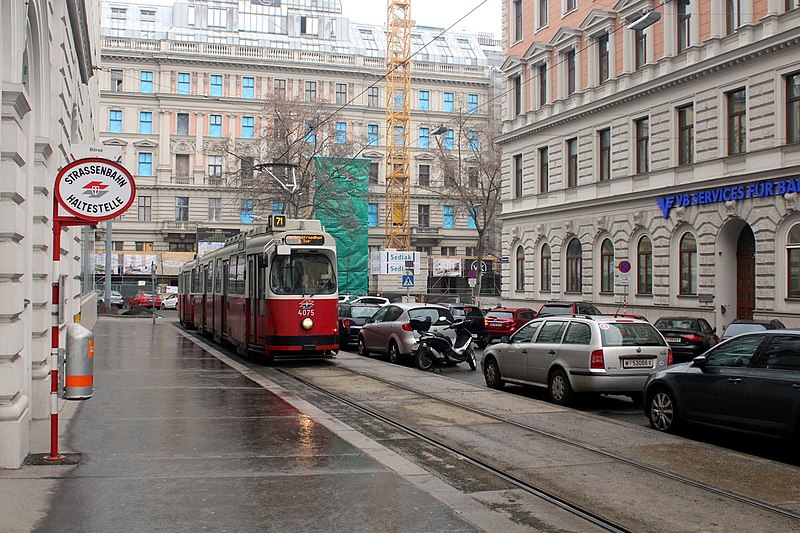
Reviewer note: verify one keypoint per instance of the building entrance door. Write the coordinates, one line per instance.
(746, 274)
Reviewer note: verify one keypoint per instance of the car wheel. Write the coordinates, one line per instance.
(163, 307)
(559, 388)
(424, 359)
(362, 348)
(661, 411)
(491, 373)
(394, 353)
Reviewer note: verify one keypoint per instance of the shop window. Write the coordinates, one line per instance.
(688, 265)
(644, 272)
(574, 266)
(607, 267)
(793, 261)
(545, 263)
(519, 263)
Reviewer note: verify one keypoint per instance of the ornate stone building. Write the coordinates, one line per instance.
(667, 135)
(47, 92)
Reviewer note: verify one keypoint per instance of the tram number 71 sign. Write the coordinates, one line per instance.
(95, 189)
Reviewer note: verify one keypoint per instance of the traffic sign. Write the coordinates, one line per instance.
(624, 266)
(623, 278)
(95, 189)
(408, 280)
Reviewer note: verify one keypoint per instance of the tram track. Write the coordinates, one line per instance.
(544, 493)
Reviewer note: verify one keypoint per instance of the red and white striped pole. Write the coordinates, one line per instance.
(54, 334)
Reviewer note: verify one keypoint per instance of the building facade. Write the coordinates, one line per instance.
(47, 66)
(183, 82)
(666, 136)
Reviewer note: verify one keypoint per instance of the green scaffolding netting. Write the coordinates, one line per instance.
(342, 185)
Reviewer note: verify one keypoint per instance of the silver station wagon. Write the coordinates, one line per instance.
(571, 355)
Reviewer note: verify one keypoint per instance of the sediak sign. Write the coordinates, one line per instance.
(95, 189)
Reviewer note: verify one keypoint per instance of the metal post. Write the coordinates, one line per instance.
(55, 320)
(107, 291)
(153, 279)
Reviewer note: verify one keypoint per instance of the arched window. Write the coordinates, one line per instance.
(644, 261)
(545, 261)
(607, 267)
(520, 267)
(793, 260)
(688, 264)
(574, 266)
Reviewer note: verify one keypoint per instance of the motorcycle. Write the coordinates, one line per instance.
(436, 348)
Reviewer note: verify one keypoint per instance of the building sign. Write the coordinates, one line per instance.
(735, 193)
(95, 189)
(445, 267)
(391, 262)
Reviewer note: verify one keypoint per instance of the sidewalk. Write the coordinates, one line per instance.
(175, 440)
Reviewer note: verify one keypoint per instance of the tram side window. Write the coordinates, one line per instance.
(208, 278)
(196, 281)
(240, 273)
(232, 275)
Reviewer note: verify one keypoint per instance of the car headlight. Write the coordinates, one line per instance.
(307, 324)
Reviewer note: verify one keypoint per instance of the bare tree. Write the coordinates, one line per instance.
(293, 133)
(469, 178)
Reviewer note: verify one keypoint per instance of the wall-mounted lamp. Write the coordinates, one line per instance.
(644, 21)
(440, 130)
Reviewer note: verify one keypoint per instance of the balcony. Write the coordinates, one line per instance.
(425, 236)
(182, 180)
(178, 226)
(215, 181)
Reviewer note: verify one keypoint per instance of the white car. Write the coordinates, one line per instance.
(373, 300)
(169, 301)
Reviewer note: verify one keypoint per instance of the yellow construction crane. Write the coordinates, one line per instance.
(398, 118)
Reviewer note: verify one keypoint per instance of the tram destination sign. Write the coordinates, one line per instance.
(95, 189)
(305, 240)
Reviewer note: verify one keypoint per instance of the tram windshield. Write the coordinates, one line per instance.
(301, 273)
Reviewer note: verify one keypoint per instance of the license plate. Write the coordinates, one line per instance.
(674, 339)
(637, 363)
(495, 324)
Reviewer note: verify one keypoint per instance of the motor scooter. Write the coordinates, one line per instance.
(437, 349)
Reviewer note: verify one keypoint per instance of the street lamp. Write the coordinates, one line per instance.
(641, 21)
(440, 130)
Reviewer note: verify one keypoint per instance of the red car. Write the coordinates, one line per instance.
(503, 321)
(145, 299)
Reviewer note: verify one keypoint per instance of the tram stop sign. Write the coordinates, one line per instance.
(95, 189)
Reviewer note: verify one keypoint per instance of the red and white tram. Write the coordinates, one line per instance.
(269, 291)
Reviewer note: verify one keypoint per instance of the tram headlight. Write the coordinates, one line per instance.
(307, 324)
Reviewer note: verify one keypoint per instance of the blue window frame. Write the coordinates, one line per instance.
(277, 207)
(341, 132)
(311, 133)
(472, 103)
(399, 136)
(448, 102)
(449, 220)
(215, 125)
(472, 220)
(145, 164)
(115, 121)
(248, 87)
(424, 100)
(474, 145)
(216, 85)
(372, 215)
(248, 127)
(372, 135)
(146, 81)
(424, 138)
(184, 82)
(246, 211)
(448, 139)
(145, 122)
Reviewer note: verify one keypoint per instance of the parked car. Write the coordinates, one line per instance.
(474, 321)
(557, 308)
(743, 325)
(145, 299)
(169, 301)
(578, 354)
(747, 383)
(389, 330)
(687, 336)
(116, 298)
(374, 300)
(503, 321)
(351, 319)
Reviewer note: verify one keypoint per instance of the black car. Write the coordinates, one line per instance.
(748, 383)
(743, 325)
(351, 318)
(474, 320)
(557, 307)
(687, 336)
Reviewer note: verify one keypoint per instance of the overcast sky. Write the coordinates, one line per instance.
(438, 13)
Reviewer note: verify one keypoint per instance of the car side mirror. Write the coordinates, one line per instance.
(699, 362)
(369, 320)
(505, 339)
